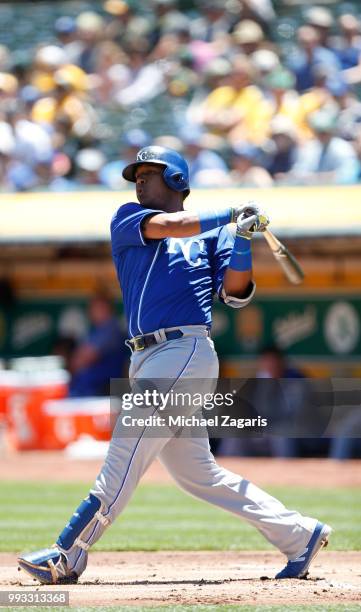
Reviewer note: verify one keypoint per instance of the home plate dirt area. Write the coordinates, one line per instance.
(156, 578)
(206, 577)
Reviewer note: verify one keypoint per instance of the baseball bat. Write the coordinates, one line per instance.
(287, 261)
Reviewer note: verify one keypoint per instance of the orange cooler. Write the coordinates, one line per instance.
(68, 419)
(27, 427)
(10, 382)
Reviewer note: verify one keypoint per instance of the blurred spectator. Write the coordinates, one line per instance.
(272, 363)
(317, 97)
(265, 62)
(349, 118)
(348, 45)
(321, 19)
(246, 170)
(261, 11)
(120, 14)
(323, 78)
(310, 54)
(223, 67)
(62, 173)
(282, 148)
(349, 48)
(280, 99)
(111, 173)
(248, 36)
(347, 444)
(180, 76)
(288, 405)
(102, 354)
(145, 80)
(8, 86)
(66, 98)
(280, 401)
(233, 108)
(327, 158)
(90, 163)
(214, 77)
(172, 142)
(89, 26)
(206, 166)
(22, 67)
(111, 73)
(64, 347)
(165, 16)
(26, 148)
(214, 21)
(66, 33)
(48, 59)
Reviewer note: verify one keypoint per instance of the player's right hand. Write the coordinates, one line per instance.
(251, 218)
(244, 210)
(261, 222)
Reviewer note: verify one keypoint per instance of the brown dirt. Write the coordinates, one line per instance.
(159, 578)
(156, 578)
(55, 466)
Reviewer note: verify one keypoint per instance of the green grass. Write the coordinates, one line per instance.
(165, 518)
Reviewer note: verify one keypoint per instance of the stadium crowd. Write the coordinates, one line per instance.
(250, 97)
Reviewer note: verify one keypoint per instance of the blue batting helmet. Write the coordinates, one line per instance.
(175, 173)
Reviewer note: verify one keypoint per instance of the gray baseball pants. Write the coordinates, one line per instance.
(189, 461)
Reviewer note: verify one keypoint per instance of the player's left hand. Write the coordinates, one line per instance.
(261, 222)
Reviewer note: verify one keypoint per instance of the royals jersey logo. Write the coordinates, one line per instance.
(191, 249)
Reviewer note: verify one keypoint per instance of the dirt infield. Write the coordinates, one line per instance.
(157, 578)
(55, 466)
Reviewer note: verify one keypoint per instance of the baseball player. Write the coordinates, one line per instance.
(170, 263)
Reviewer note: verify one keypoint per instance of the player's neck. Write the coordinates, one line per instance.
(174, 205)
(175, 208)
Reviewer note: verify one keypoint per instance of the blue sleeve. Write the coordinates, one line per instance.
(221, 256)
(125, 227)
(220, 260)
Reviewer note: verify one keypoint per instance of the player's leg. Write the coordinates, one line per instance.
(128, 458)
(191, 463)
(126, 461)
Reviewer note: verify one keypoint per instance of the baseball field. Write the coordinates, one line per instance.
(170, 551)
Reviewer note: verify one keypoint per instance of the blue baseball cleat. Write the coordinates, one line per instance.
(298, 568)
(47, 565)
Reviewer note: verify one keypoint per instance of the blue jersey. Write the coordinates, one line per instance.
(168, 282)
